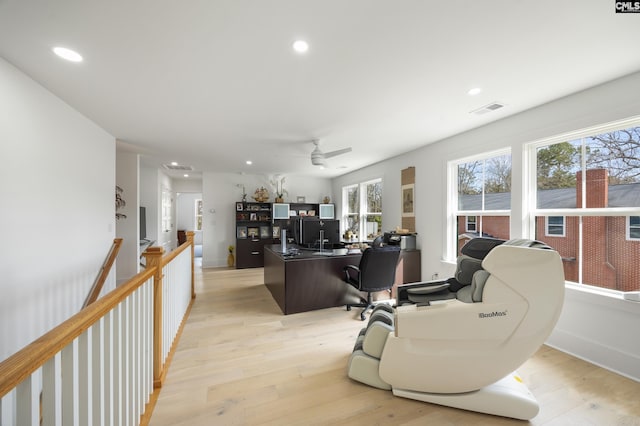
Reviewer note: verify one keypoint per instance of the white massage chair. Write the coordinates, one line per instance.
(462, 350)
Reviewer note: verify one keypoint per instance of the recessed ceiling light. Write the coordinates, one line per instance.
(185, 175)
(249, 162)
(474, 91)
(174, 163)
(67, 54)
(300, 46)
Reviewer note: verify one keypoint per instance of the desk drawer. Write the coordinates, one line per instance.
(250, 253)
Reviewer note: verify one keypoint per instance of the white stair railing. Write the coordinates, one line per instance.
(100, 367)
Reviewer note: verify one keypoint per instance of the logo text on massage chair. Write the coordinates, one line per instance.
(492, 314)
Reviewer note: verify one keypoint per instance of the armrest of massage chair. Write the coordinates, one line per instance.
(423, 292)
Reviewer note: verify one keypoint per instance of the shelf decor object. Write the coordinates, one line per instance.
(230, 259)
(279, 191)
(261, 194)
(265, 232)
(241, 232)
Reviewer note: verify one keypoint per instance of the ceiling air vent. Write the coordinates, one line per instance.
(178, 167)
(487, 108)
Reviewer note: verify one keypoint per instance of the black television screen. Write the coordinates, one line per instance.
(143, 223)
(309, 232)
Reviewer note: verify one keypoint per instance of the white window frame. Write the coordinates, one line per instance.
(530, 209)
(468, 222)
(562, 226)
(629, 226)
(362, 205)
(450, 249)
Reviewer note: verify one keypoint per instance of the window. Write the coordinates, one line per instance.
(554, 226)
(362, 211)
(472, 224)
(481, 190)
(198, 215)
(633, 228)
(582, 192)
(351, 203)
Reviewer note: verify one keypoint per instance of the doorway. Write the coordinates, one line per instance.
(189, 218)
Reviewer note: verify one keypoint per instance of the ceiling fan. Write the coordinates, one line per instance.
(318, 158)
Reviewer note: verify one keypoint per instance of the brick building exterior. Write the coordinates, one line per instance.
(609, 259)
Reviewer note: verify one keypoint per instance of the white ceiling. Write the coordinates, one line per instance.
(212, 83)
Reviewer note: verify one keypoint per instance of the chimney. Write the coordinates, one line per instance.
(597, 188)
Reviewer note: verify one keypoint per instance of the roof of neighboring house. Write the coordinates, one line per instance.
(625, 195)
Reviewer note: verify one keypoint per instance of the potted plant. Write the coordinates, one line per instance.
(279, 190)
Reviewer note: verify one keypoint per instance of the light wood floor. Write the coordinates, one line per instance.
(240, 361)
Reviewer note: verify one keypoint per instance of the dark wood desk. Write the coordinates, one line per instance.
(307, 282)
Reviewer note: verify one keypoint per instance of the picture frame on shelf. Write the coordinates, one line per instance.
(293, 213)
(253, 217)
(252, 232)
(311, 213)
(239, 207)
(275, 232)
(265, 232)
(241, 232)
(302, 212)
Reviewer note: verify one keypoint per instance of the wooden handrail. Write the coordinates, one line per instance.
(168, 257)
(20, 365)
(104, 272)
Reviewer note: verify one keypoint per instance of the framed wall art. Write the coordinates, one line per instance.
(407, 200)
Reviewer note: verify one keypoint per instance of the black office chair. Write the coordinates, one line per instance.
(376, 272)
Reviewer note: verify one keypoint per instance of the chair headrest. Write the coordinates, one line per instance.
(478, 248)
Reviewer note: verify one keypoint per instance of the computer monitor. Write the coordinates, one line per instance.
(309, 232)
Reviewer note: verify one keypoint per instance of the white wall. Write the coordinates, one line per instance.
(187, 185)
(609, 342)
(219, 195)
(127, 177)
(57, 211)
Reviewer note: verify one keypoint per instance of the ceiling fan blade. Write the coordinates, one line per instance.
(337, 152)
